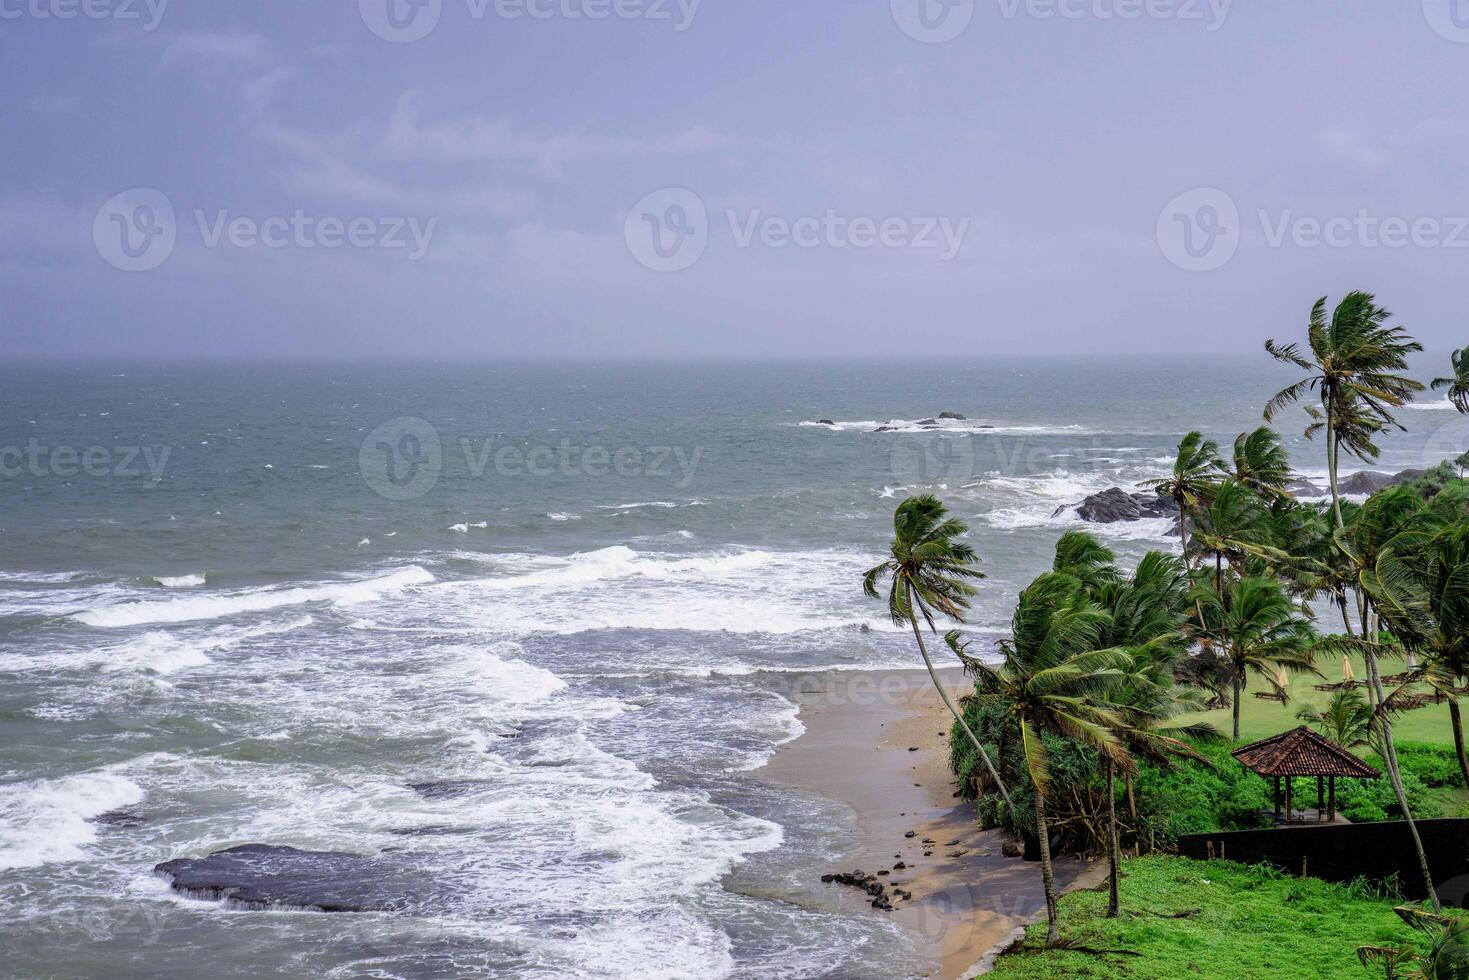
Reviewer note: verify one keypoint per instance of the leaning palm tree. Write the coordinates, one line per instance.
(1352, 362)
(1382, 532)
(1458, 385)
(1055, 679)
(1147, 613)
(1421, 588)
(1257, 628)
(1196, 470)
(1261, 463)
(929, 572)
(1346, 719)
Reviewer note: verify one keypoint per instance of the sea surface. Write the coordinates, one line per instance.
(262, 604)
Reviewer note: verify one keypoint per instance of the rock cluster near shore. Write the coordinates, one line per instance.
(1115, 505)
(882, 900)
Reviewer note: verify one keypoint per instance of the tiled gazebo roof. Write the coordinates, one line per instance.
(1302, 753)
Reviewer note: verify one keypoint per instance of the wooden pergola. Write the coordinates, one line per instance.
(1302, 752)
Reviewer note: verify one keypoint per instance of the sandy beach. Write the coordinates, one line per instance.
(877, 742)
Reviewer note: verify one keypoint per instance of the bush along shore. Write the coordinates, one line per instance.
(1105, 723)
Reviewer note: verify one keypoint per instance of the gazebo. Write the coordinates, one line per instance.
(1302, 752)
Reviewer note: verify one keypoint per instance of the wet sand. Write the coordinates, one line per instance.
(877, 742)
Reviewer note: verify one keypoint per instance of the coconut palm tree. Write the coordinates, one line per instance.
(1054, 678)
(1256, 627)
(1384, 581)
(1458, 384)
(1261, 463)
(1196, 470)
(1421, 589)
(1346, 719)
(929, 571)
(1352, 362)
(1235, 526)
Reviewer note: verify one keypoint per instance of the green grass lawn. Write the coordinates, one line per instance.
(1240, 923)
(1261, 719)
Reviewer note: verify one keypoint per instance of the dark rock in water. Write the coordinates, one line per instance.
(826, 422)
(886, 428)
(450, 789)
(1115, 504)
(263, 876)
(119, 818)
(1365, 482)
(433, 830)
(952, 416)
(929, 422)
(1304, 488)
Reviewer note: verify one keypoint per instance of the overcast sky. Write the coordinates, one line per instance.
(492, 178)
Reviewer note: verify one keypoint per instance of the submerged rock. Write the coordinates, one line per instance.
(264, 876)
(952, 416)
(124, 818)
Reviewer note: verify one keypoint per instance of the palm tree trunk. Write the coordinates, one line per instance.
(1114, 849)
(1390, 757)
(1048, 878)
(953, 710)
(1458, 723)
(1239, 691)
(1332, 452)
(1346, 617)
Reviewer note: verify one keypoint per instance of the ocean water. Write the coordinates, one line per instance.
(260, 604)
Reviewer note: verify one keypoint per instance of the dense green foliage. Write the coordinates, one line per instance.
(1216, 920)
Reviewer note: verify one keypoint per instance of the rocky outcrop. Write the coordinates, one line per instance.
(264, 876)
(1115, 504)
(1369, 483)
(952, 417)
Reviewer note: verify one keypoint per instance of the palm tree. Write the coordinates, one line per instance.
(1346, 720)
(1458, 385)
(1261, 462)
(1196, 470)
(930, 572)
(1235, 526)
(1257, 628)
(1055, 679)
(1147, 614)
(1378, 543)
(1421, 588)
(1351, 367)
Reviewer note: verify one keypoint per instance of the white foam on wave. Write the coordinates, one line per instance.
(1439, 406)
(156, 652)
(180, 581)
(46, 820)
(259, 600)
(644, 505)
(948, 426)
(732, 591)
(41, 578)
(465, 528)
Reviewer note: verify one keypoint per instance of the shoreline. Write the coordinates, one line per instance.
(877, 742)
